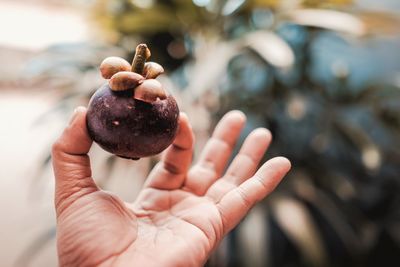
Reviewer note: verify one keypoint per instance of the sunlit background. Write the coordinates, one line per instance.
(323, 76)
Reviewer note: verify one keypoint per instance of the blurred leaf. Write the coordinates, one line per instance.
(296, 221)
(337, 219)
(326, 3)
(354, 133)
(266, 3)
(212, 58)
(253, 239)
(380, 22)
(328, 19)
(231, 6)
(271, 47)
(159, 19)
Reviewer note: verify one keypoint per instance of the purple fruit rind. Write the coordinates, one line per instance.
(128, 127)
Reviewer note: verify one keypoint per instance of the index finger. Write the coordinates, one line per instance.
(171, 171)
(216, 153)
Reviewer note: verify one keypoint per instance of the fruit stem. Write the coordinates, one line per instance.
(141, 55)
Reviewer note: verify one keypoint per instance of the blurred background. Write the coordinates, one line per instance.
(323, 76)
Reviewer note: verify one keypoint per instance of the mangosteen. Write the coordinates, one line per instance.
(132, 115)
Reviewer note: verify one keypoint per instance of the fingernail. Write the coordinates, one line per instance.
(183, 114)
(74, 115)
(185, 117)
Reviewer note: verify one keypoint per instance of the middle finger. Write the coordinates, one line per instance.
(216, 153)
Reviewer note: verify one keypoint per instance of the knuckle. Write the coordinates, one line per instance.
(245, 198)
(56, 147)
(171, 167)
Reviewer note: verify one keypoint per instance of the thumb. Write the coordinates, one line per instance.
(71, 163)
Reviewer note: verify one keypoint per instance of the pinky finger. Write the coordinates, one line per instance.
(237, 202)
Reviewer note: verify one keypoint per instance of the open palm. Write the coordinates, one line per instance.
(180, 215)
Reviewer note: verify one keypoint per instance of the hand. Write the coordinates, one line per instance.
(181, 214)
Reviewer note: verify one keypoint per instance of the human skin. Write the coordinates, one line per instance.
(182, 212)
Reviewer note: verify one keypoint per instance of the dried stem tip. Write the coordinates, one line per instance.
(141, 55)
